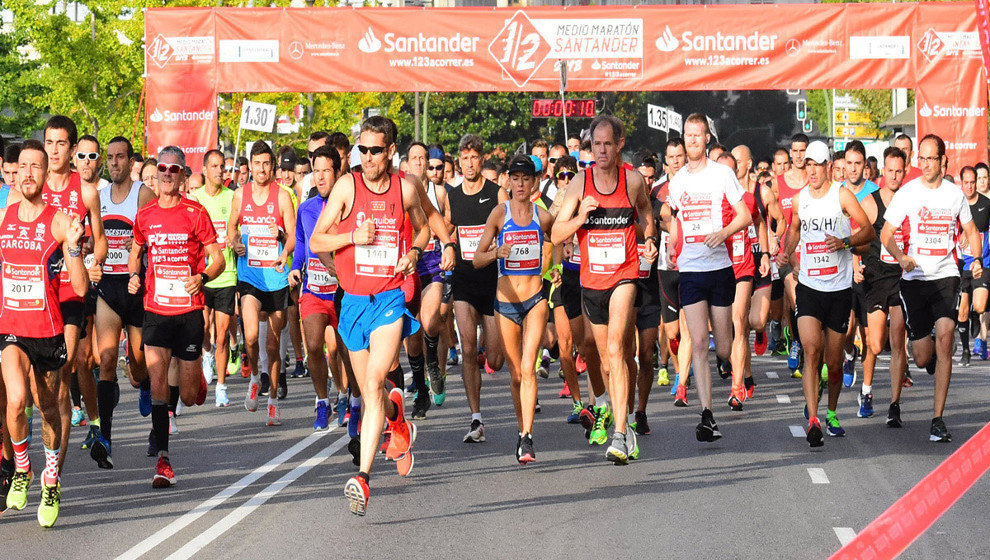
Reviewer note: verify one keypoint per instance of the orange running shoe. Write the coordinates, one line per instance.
(164, 475)
(357, 493)
(680, 399)
(736, 398)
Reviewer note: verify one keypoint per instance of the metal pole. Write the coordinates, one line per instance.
(416, 117)
(426, 117)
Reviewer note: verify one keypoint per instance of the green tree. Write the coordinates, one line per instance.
(20, 115)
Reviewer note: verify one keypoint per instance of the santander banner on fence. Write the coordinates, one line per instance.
(194, 53)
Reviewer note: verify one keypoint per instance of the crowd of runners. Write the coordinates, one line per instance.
(626, 273)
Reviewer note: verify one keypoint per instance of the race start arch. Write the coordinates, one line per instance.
(192, 54)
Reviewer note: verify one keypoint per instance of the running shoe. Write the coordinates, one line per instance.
(78, 417)
(357, 493)
(354, 421)
(930, 366)
(524, 450)
(707, 429)
(760, 344)
(298, 371)
(580, 365)
(849, 371)
(642, 427)
(587, 420)
(203, 389)
(538, 409)
(6, 476)
(599, 431)
(663, 377)
(575, 416)
(164, 475)
(865, 405)
(794, 357)
(673, 388)
(283, 386)
(894, 415)
(965, 358)
(421, 404)
(565, 392)
(322, 421)
(179, 408)
(404, 464)
(29, 412)
(907, 381)
(51, 496)
(152, 444)
(438, 382)
(711, 342)
(245, 366)
(750, 388)
(266, 384)
(939, 432)
(815, 437)
(476, 433)
(543, 367)
(681, 399)
(796, 374)
(221, 396)
(234, 361)
(354, 448)
(488, 368)
(342, 412)
(452, 357)
(617, 451)
(736, 398)
(978, 345)
(144, 401)
(274, 416)
(832, 424)
(254, 389)
(403, 432)
(209, 366)
(19, 483)
(724, 367)
(90, 438)
(100, 450)
(984, 350)
(173, 428)
(411, 388)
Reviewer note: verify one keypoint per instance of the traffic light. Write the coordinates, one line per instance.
(802, 109)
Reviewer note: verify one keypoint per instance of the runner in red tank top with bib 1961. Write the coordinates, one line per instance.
(177, 235)
(604, 215)
(362, 225)
(35, 239)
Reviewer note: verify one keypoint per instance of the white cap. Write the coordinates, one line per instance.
(818, 152)
(355, 158)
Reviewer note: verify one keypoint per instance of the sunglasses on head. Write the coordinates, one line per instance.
(169, 167)
(585, 163)
(552, 160)
(374, 150)
(87, 155)
(435, 167)
(565, 175)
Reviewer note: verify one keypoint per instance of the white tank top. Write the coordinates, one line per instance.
(822, 269)
(118, 226)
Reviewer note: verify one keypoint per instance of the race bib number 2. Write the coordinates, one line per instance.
(170, 286)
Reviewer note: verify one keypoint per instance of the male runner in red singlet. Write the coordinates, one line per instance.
(64, 191)
(603, 214)
(177, 234)
(363, 224)
(35, 239)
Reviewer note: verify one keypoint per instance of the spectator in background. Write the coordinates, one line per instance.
(10, 155)
(243, 175)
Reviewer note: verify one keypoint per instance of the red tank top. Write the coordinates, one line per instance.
(607, 240)
(785, 194)
(69, 201)
(741, 243)
(31, 262)
(370, 269)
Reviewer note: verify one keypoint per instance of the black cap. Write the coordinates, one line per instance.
(288, 161)
(522, 164)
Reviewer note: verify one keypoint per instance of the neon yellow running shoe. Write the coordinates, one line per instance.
(51, 497)
(17, 496)
(603, 419)
(796, 374)
(663, 378)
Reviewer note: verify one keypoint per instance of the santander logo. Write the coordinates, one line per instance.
(156, 116)
(369, 43)
(667, 42)
(925, 111)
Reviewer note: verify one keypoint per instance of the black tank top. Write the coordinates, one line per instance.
(875, 268)
(467, 211)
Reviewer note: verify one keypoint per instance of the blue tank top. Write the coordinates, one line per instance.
(526, 258)
(4, 191)
(257, 266)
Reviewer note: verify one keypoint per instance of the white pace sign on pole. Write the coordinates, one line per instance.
(656, 117)
(674, 120)
(257, 116)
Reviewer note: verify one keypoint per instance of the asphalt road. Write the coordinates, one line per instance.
(248, 491)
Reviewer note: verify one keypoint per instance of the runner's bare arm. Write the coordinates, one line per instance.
(973, 236)
(325, 238)
(92, 200)
(134, 266)
(573, 212)
(639, 194)
(483, 258)
(145, 195)
(743, 219)
(233, 224)
(414, 207)
(289, 223)
(546, 222)
(887, 239)
(68, 233)
(861, 236)
(774, 210)
(194, 284)
(503, 195)
(793, 235)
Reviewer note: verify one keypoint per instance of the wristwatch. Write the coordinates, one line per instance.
(205, 277)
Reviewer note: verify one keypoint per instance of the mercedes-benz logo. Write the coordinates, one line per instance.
(793, 47)
(296, 50)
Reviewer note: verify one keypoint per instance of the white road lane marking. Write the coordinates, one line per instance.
(245, 509)
(174, 527)
(797, 431)
(818, 475)
(845, 534)
(772, 375)
(783, 399)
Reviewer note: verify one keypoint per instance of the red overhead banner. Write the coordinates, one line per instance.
(983, 27)
(633, 48)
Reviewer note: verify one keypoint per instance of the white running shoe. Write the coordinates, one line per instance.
(172, 427)
(209, 366)
(221, 395)
(254, 387)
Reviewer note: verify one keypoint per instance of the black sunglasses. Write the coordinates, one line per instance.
(436, 168)
(375, 150)
(552, 160)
